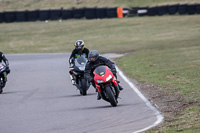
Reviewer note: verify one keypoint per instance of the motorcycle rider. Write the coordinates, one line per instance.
(79, 50)
(94, 60)
(4, 59)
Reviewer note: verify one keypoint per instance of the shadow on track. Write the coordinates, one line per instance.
(76, 95)
(101, 107)
(12, 92)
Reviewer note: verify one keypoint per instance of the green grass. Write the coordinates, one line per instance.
(163, 51)
(6, 5)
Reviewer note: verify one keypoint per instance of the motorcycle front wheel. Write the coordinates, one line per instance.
(83, 90)
(111, 97)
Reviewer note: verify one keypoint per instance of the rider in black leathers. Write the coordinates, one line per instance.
(94, 60)
(79, 50)
(4, 59)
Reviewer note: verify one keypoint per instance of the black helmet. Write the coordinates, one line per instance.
(79, 45)
(93, 55)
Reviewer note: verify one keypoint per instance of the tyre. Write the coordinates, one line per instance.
(182, 9)
(21, 16)
(1, 17)
(90, 13)
(153, 11)
(173, 9)
(1, 90)
(32, 15)
(111, 97)
(44, 15)
(54, 14)
(162, 10)
(79, 13)
(192, 9)
(101, 12)
(10, 16)
(198, 8)
(111, 12)
(67, 14)
(83, 87)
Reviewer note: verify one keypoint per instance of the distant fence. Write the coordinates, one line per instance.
(56, 14)
(180, 9)
(95, 13)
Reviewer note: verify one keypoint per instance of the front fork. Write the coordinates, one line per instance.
(115, 91)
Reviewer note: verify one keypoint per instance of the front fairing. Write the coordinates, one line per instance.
(102, 75)
(79, 64)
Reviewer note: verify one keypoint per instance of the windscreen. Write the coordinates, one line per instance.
(81, 60)
(100, 70)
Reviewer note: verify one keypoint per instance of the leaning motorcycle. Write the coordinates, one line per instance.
(78, 74)
(106, 84)
(2, 77)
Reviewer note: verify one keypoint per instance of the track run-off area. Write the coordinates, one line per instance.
(39, 98)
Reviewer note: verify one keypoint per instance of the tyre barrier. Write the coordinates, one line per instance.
(32, 15)
(44, 15)
(10, 16)
(98, 13)
(191, 9)
(182, 9)
(132, 12)
(21, 16)
(54, 14)
(101, 12)
(198, 8)
(78, 13)
(173, 9)
(152, 11)
(111, 12)
(67, 14)
(142, 11)
(1, 17)
(90, 13)
(162, 10)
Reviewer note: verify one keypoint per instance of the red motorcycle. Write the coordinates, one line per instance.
(106, 84)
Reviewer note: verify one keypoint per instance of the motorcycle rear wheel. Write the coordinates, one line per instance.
(113, 100)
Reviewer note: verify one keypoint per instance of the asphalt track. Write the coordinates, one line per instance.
(39, 98)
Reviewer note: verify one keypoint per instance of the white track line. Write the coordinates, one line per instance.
(148, 103)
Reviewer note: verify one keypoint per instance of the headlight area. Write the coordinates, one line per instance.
(81, 68)
(100, 81)
(109, 78)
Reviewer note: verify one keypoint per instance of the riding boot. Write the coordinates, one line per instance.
(120, 87)
(98, 96)
(72, 80)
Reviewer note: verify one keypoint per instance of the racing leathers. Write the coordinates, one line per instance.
(77, 53)
(7, 71)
